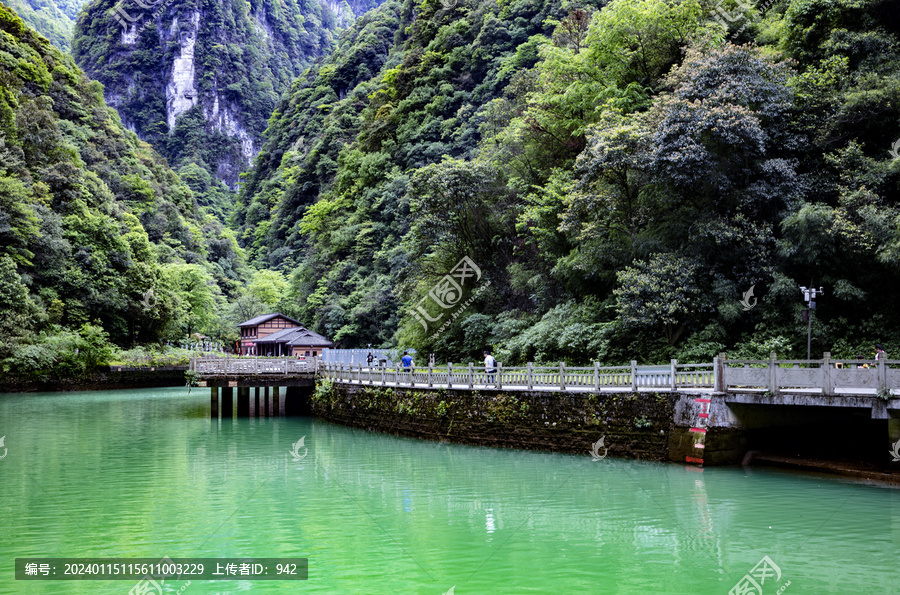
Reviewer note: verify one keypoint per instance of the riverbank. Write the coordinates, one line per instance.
(644, 426)
(624, 425)
(107, 378)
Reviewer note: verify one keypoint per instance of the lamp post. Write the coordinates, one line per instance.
(809, 296)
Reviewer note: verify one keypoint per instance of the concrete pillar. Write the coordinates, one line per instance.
(243, 401)
(214, 402)
(227, 403)
(265, 402)
(562, 376)
(530, 377)
(673, 374)
(634, 382)
(276, 410)
(256, 402)
(773, 378)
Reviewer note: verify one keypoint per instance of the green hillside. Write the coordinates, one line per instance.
(97, 235)
(54, 19)
(621, 175)
(628, 180)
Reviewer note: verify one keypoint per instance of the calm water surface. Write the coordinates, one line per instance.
(145, 473)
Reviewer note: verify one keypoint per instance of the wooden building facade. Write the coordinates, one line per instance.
(279, 335)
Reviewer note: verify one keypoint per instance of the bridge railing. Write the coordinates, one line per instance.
(561, 377)
(826, 376)
(252, 366)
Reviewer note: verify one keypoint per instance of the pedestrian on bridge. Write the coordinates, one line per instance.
(407, 362)
(490, 366)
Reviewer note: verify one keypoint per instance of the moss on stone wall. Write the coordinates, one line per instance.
(634, 426)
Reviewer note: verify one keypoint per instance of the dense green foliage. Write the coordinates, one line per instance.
(99, 239)
(621, 175)
(54, 19)
(245, 55)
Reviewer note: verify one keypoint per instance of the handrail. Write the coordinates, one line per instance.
(559, 377)
(826, 376)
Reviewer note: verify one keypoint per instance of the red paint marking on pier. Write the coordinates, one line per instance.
(699, 445)
(693, 460)
(703, 400)
(703, 414)
(701, 430)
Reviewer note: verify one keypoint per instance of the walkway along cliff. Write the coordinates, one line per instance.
(705, 414)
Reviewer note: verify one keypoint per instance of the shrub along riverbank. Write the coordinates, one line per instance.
(84, 359)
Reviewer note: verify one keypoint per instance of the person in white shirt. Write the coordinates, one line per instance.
(490, 366)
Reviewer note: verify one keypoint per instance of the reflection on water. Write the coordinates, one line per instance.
(147, 474)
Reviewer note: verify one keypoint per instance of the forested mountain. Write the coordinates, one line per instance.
(54, 19)
(97, 234)
(612, 178)
(622, 175)
(198, 79)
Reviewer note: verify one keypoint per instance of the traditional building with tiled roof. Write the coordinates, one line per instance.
(279, 335)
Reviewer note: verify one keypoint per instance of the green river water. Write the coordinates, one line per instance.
(146, 473)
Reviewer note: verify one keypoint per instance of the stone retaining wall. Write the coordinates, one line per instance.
(637, 426)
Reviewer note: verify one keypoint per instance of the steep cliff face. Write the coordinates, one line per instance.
(199, 78)
(94, 226)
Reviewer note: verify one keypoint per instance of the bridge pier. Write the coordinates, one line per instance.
(243, 401)
(255, 412)
(227, 402)
(265, 402)
(214, 403)
(276, 410)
